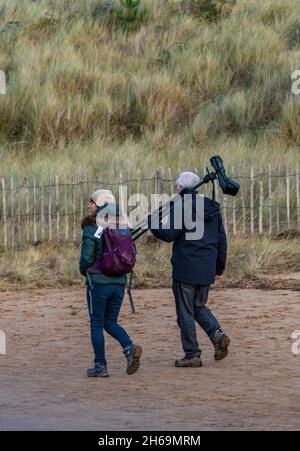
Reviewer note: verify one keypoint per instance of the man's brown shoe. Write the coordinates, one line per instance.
(194, 362)
(221, 342)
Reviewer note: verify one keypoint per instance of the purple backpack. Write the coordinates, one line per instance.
(119, 252)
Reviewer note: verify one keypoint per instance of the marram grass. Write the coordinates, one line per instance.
(82, 91)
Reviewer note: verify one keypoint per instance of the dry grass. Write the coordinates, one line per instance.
(249, 261)
(80, 88)
(84, 96)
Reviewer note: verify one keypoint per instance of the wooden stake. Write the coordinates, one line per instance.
(4, 213)
(27, 210)
(252, 199)
(278, 199)
(34, 211)
(243, 203)
(50, 214)
(66, 212)
(12, 202)
(288, 211)
(270, 200)
(42, 209)
(261, 202)
(57, 208)
(234, 207)
(74, 210)
(298, 194)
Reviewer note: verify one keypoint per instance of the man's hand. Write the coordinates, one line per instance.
(218, 278)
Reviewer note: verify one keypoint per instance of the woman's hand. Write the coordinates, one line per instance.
(217, 278)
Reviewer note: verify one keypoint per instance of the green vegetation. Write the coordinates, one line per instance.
(100, 86)
(147, 83)
(130, 17)
(250, 261)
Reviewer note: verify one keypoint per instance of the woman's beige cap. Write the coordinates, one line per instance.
(102, 196)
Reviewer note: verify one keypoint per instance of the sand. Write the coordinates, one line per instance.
(44, 387)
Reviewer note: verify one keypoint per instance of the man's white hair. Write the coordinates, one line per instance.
(187, 179)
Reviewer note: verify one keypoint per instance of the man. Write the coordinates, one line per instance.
(197, 263)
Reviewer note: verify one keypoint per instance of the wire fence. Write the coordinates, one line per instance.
(37, 210)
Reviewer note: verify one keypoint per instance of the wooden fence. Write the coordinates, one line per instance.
(38, 210)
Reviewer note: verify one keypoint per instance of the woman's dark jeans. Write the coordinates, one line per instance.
(104, 304)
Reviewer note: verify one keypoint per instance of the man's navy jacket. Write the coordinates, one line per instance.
(197, 261)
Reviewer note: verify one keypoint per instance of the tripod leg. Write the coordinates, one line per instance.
(213, 190)
(129, 293)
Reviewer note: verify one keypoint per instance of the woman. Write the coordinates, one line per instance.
(105, 294)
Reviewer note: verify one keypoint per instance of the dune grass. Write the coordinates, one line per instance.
(249, 261)
(192, 78)
(82, 91)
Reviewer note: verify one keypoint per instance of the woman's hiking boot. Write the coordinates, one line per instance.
(97, 371)
(133, 354)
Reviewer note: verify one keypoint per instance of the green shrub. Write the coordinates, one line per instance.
(130, 16)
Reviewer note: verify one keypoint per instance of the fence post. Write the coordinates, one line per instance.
(12, 201)
(27, 210)
(88, 188)
(160, 184)
(298, 194)
(57, 208)
(225, 213)
(42, 209)
(34, 211)
(288, 212)
(66, 212)
(171, 181)
(121, 193)
(243, 201)
(252, 199)
(270, 200)
(81, 198)
(4, 213)
(19, 219)
(278, 199)
(205, 185)
(50, 214)
(129, 184)
(138, 181)
(261, 201)
(159, 181)
(74, 209)
(234, 206)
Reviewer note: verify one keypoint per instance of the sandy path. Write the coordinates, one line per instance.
(43, 383)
